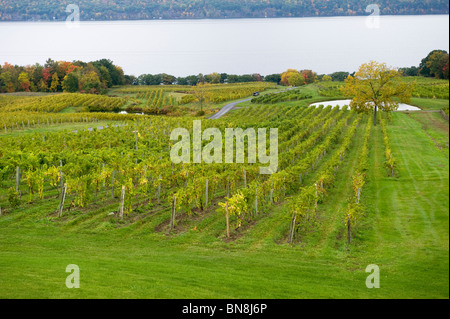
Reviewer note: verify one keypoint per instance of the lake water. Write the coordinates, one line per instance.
(240, 46)
(341, 103)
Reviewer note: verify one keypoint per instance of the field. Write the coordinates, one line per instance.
(346, 195)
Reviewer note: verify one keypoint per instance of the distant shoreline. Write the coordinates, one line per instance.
(221, 19)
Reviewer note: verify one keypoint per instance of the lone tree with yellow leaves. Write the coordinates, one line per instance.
(377, 86)
(202, 93)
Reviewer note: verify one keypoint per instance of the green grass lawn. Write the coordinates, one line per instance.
(409, 224)
(429, 104)
(435, 127)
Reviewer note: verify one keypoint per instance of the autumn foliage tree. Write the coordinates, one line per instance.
(24, 82)
(55, 83)
(202, 93)
(435, 64)
(291, 77)
(376, 86)
(309, 76)
(53, 74)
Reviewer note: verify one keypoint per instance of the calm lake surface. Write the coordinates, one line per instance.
(265, 46)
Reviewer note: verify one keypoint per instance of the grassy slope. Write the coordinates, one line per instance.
(409, 223)
(406, 234)
(429, 104)
(435, 127)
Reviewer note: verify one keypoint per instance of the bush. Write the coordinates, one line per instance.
(13, 197)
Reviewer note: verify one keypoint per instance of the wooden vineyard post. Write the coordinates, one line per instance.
(122, 202)
(245, 178)
(136, 137)
(317, 196)
(206, 193)
(61, 177)
(292, 228)
(0, 211)
(349, 230)
(159, 188)
(172, 217)
(271, 194)
(228, 220)
(17, 178)
(256, 200)
(63, 198)
(113, 181)
(103, 169)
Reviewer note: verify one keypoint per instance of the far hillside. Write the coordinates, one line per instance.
(54, 10)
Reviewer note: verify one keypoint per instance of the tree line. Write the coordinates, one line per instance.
(192, 80)
(212, 9)
(96, 77)
(57, 76)
(435, 64)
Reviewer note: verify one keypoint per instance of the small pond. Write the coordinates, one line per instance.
(401, 107)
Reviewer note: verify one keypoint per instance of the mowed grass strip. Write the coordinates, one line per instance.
(408, 214)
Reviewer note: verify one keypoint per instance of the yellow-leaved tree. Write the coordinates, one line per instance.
(377, 87)
(292, 78)
(202, 93)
